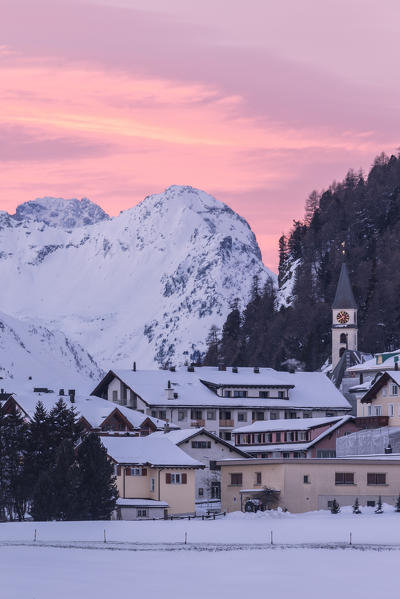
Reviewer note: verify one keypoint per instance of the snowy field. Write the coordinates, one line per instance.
(231, 557)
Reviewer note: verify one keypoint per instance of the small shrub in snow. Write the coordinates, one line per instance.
(356, 507)
(397, 505)
(379, 509)
(335, 507)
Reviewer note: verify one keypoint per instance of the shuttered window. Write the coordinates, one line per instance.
(176, 478)
(376, 478)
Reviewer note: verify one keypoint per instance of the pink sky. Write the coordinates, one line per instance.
(256, 102)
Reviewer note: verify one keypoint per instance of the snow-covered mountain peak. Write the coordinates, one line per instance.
(145, 285)
(62, 213)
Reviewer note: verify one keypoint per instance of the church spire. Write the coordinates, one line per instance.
(344, 297)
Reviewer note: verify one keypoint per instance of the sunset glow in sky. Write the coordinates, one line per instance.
(256, 102)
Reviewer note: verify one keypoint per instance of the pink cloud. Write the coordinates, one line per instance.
(114, 102)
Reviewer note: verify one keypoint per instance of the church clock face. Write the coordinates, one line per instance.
(343, 317)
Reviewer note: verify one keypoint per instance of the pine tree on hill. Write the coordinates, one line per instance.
(97, 491)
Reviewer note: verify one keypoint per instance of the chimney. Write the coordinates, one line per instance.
(361, 378)
(71, 393)
(235, 370)
(134, 367)
(256, 370)
(166, 427)
(61, 392)
(396, 365)
(388, 449)
(169, 391)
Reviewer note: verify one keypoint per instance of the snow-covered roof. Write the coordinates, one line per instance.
(141, 503)
(378, 362)
(289, 424)
(94, 409)
(337, 423)
(182, 435)
(310, 389)
(147, 450)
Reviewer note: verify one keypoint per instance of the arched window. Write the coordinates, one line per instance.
(341, 351)
(343, 338)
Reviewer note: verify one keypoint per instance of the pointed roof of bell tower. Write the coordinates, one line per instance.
(344, 297)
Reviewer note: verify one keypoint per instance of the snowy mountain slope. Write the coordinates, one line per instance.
(57, 212)
(145, 285)
(49, 357)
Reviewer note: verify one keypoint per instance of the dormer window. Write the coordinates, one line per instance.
(281, 394)
(263, 394)
(227, 393)
(239, 393)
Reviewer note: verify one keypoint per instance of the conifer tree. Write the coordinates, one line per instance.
(14, 446)
(43, 500)
(379, 509)
(96, 488)
(335, 508)
(356, 507)
(40, 454)
(63, 424)
(64, 479)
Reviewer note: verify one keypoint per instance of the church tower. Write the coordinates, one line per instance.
(344, 318)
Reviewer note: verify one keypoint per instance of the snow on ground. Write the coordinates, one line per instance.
(43, 573)
(312, 527)
(164, 570)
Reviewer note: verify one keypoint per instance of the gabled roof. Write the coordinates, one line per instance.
(378, 363)
(148, 450)
(379, 383)
(289, 424)
(307, 389)
(186, 434)
(344, 297)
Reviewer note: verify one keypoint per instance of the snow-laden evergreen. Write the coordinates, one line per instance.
(146, 285)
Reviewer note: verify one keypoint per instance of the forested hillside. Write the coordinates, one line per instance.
(357, 220)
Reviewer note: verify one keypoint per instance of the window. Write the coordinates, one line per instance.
(274, 415)
(181, 414)
(376, 478)
(343, 338)
(201, 492)
(326, 453)
(290, 415)
(154, 413)
(141, 513)
(263, 394)
(176, 478)
(236, 479)
(369, 410)
(115, 396)
(329, 414)
(201, 444)
(215, 490)
(306, 479)
(125, 393)
(225, 415)
(286, 454)
(390, 410)
(344, 478)
(258, 478)
(162, 414)
(281, 394)
(378, 410)
(277, 437)
(227, 393)
(213, 465)
(196, 414)
(258, 415)
(307, 414)
(152, 484)
(240, 393)
(289, 436)
(394, 390)
(371, 503)
(227, 436)
(137, 471)
(302, 436)
(211, 414)
(242, 416)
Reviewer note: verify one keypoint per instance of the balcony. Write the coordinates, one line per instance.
(226, 423)
(371, 421)
(198, 423)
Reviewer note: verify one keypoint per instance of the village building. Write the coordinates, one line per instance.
(382, 398)
(93, 413)
(221, 399)
(303, 485)
(297, 438)
(208, 449)
(151, 470)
